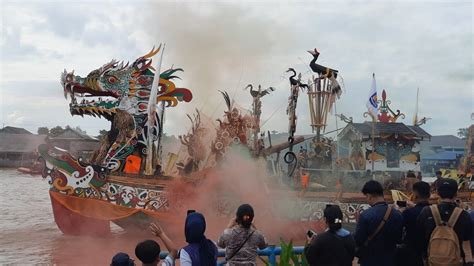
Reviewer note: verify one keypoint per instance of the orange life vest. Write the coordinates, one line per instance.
(132, 164)
(304, 180)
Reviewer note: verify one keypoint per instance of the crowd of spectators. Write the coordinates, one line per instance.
(405, 233)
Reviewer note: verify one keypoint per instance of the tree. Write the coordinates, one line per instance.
(463, 133)
(102, 134)
(80, 130)
(56, 130)
(43, 131)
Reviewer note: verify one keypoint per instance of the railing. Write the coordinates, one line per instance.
(271, 252)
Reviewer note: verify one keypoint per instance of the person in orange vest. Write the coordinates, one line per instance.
(304, 180)
(133, 163)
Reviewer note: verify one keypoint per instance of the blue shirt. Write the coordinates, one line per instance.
(409, 223)
(382, 246)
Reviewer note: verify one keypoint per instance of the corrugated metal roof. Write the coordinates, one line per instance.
(72, 134)
(442, 156)
(20, 142)
(15, 130)
(365, 129)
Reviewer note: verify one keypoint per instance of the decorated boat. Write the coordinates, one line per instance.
(127, 181)
(86, 194)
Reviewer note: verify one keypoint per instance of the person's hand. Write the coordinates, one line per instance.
(410, 204)
(309, 239)
(232, 223)
(156, 229)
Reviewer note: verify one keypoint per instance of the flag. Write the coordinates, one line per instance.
(372, 105)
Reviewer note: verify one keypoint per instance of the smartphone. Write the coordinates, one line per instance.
(310, 233)
(458, 202)
(190, 211)
(402, 203)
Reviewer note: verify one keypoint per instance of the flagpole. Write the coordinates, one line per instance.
(372, 112)
(374, 118)
(151, 116)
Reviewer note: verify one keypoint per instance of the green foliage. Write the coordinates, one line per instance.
(287, 256)
(43, 131)
(463, 133)
(102, 134)
(56, 130)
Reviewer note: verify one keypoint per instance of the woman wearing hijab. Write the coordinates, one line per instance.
(241, 239)
(334, 247)
(200, 251)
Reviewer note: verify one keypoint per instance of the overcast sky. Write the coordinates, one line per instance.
(227, 45)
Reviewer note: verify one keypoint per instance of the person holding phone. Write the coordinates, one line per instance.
(409, 253)
(241, 239)
(335, 246)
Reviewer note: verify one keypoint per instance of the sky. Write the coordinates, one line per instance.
(225, 45)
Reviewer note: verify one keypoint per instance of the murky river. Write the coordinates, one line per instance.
(28, 234)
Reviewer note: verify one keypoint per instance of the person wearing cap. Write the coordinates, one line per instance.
(241, 239)
(335, 246)
(378, 230)
(122, 259)
(447, 190)
(200, 250)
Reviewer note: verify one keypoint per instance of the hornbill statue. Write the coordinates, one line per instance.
(325, 72)
(296, 82)
(321, 70)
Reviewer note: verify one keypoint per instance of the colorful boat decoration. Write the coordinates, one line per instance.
(88, 193)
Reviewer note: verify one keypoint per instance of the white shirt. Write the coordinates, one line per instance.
(184, 258)
(168, 261)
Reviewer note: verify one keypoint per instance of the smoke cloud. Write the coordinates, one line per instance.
(220, 47)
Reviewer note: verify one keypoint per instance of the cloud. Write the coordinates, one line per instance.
(224, 46)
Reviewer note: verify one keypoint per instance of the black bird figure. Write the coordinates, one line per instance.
(321, 70)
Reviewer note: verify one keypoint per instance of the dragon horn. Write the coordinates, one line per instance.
(152, 52)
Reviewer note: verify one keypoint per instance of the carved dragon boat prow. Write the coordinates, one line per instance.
(87, 194)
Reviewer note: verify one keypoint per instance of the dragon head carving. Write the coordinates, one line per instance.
(116, 85)
(120, 93)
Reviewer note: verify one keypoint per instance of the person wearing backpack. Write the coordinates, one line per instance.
(446, 229)
(379, 229)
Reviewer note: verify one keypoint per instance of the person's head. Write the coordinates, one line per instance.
(373, 192)
(421, 191)
(122, 259)
(333, 217)
(447, 188)
(411, 174)
(438, 174)
(244, 215)
(194, 227)
(148, 252)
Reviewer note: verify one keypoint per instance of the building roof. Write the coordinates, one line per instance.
(420, 132)
(15, 130)
(365, 129)
(20, 142)
(447, 141)
(72, 134)
(442, 156)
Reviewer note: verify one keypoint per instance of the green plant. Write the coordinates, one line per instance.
(287, 256)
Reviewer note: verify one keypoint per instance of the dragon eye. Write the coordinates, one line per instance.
(112, 79)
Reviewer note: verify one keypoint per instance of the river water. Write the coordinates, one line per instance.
(28, 234)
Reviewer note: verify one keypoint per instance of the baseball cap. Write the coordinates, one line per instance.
(447, 188)
(122, 259)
